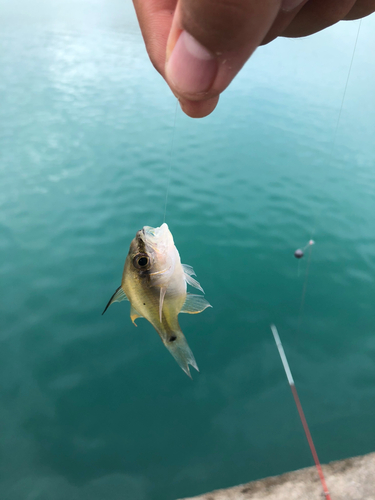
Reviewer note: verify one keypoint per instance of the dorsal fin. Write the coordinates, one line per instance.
(118, 296)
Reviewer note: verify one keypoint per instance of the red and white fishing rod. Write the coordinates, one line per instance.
(300, 411)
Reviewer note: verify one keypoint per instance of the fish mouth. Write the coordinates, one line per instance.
(148, 236)
(152, 232)
(158, 238)
(156, 232)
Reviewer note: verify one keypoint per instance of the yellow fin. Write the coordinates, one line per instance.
(194, 304)
(134, 315)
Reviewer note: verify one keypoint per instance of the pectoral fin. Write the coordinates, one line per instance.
(195, 304)
(188, 270)
(118, 296)
(190, 280)
(134, 315)
(161, 300)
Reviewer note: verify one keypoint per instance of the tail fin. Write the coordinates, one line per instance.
(181, 352)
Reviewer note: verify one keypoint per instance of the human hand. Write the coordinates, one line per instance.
(199, 46)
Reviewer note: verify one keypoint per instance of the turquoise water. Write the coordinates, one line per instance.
(92, 408)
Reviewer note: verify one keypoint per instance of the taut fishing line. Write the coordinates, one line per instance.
(300, 252)
(169, 173)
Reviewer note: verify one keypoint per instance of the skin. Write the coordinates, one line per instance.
(230, 31)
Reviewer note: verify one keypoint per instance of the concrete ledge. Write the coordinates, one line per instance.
(350, 479)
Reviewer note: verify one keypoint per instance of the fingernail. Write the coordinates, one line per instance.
(288, 5)
(191, 68)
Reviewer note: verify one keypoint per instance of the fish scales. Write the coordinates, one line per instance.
(155, 283)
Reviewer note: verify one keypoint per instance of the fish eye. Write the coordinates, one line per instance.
(141, 261)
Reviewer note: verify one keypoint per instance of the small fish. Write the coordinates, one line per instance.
(154, 282)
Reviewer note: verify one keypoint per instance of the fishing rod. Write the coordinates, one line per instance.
(300, 410)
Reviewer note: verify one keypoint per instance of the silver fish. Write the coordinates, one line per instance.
(154, 282)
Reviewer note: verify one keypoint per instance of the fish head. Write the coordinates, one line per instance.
(153, 255)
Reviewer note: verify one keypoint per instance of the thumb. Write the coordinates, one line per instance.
(209, 42)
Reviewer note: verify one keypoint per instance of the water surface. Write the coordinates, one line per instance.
(92, 408)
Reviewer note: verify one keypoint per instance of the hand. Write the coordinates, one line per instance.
(199, 46)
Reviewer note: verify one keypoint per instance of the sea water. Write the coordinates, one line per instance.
(92, 407)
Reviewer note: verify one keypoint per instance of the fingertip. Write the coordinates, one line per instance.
(207, 47)
(198, 109)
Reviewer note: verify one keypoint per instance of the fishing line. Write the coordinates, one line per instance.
(311, 242)
(330, 156)
(300, 410)
(344, 94)
(169, 173)
(304, 291)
